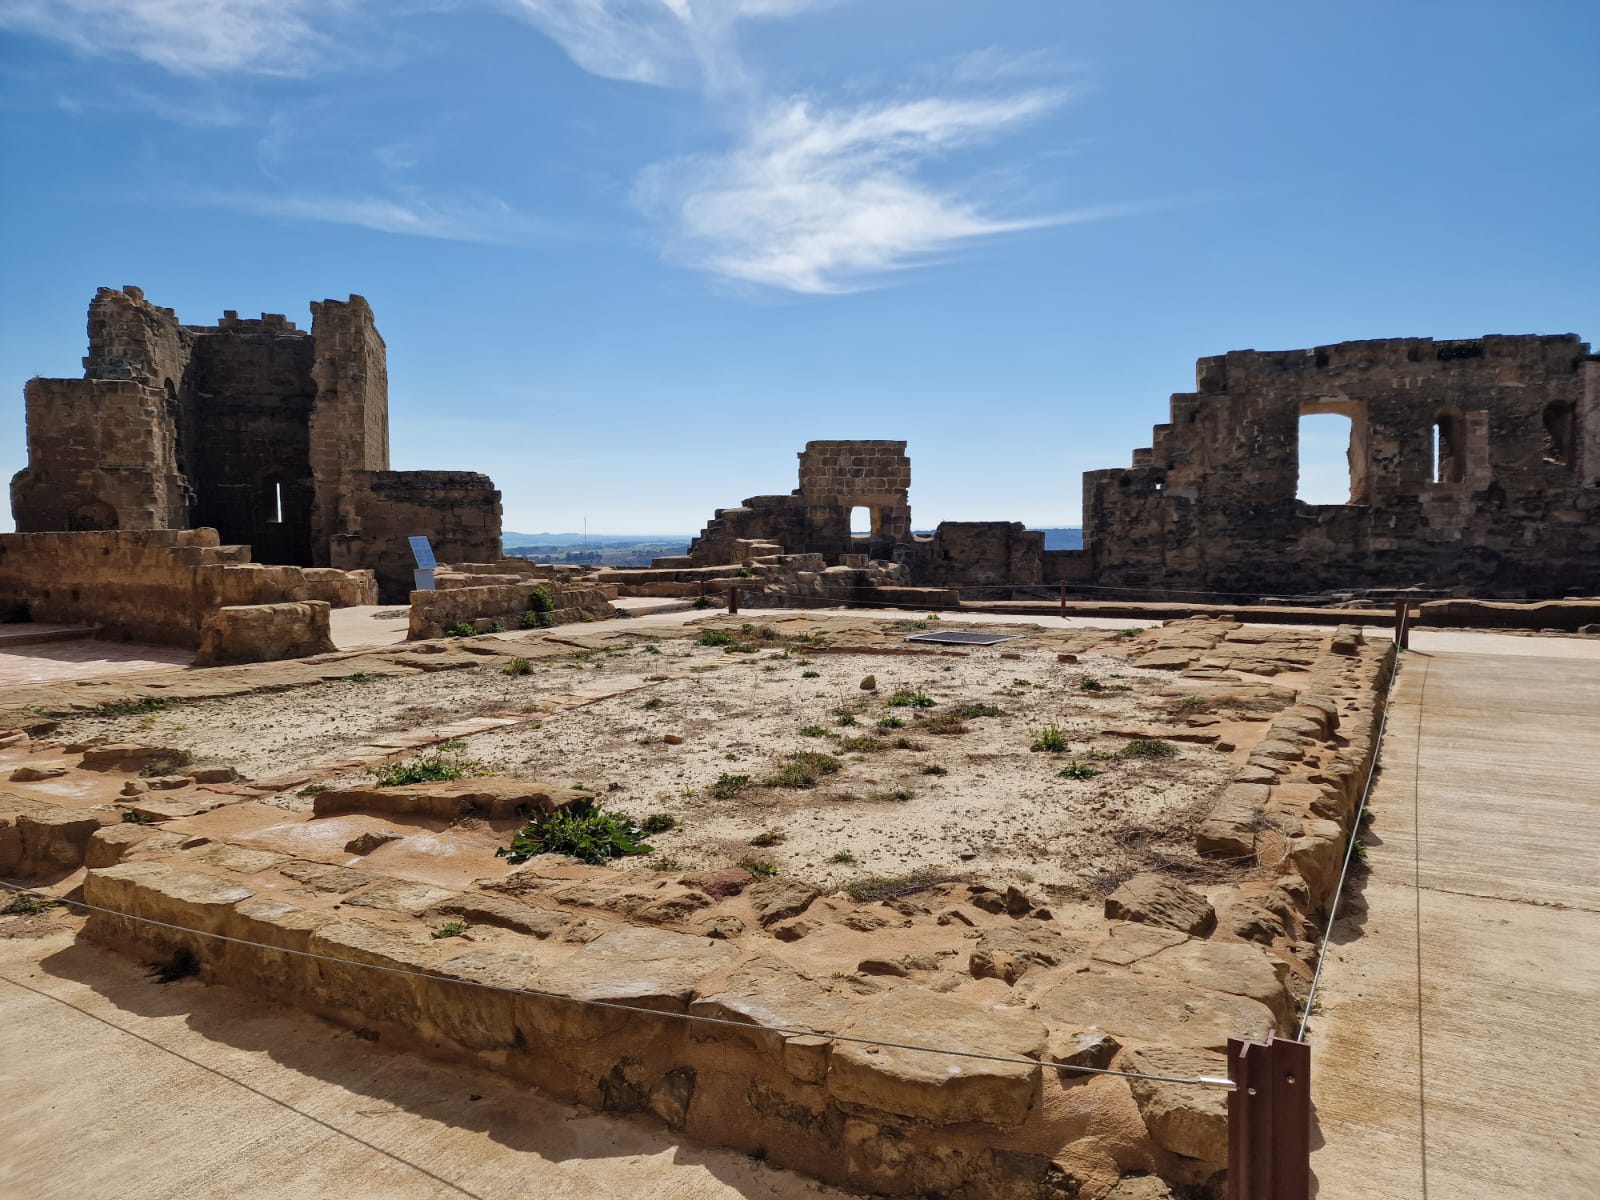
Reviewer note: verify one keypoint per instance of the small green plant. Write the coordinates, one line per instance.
(450, 929)
(459, 629)
(767, 839)
(1129, 634)
(935, 769)
(891, 722)
(1103, 756)
(129, 817)
(881, 887)
(760, 868)
(841, 856)
(1078, 771)
(535, 620)
(542, 599)
(1022, 683)
(810, 674)
(654, 703)
(728, 786)
(658, 822)
(1359, 850)
(447, 762)
(897, 796)
(363, 677)
(813, 731)
(946, 724)
(652, 649)
(1191, 704)
(844, 718)
(1090, 684)
(28, 904)
(517, 666)
(1051, 739)
(1147, 748)
(715, 637)
(968, 712)
(803, 770)
(131, 707)
(315, 789)
(702, 602)
(665, 862)
(496, 626)
(865, 744)
(906, 698)
(582, 829)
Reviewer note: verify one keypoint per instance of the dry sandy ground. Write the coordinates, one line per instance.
(980, 801)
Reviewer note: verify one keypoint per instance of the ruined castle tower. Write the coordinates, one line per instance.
(277, 438)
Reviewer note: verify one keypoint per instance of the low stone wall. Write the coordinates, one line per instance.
(265, 633)
(1568, 615)
(153, 585)
(482, 606)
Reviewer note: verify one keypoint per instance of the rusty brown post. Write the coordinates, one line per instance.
(1063, 600)
(1402, 624)
(733, 598)
(1269, 1120)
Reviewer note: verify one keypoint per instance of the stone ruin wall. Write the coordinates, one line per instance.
(275, 437)
(154, 585)
(1211, 505)
(1515, 509)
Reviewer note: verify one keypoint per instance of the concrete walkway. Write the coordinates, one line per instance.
(1456, 1055)
(114, 1087)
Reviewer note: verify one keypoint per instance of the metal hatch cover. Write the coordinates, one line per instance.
(958, 638)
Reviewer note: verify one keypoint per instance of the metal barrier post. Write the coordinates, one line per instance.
(733, 599)
(1402, 624)
(1063, 600)
(1269, 1120)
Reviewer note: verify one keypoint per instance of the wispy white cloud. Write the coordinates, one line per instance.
(662, 42)
(458, 220)
(816, 200)
(187, 37)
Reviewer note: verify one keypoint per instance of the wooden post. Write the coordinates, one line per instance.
(1269, 1120)
(733, 598)
(1063, 601)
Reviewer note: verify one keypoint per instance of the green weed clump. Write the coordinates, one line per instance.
(1078, 771)
(813, 731)
(803, 770)
(583, 830)
(28, 904)
(1051, 739)
(770, 837)
(715, 637)
(968, 712)
(891, 722)
(362, 677)
(659, 823)
(535, 620)
(449, 761)
(760, 868)
(450, 929)
(1147, 748)
(906, 698)
(460, 629)
(728, 786)
(517, 666)
(862, 745)
(810, 674)
(881, 887)
(131, 707)
(1090, 684)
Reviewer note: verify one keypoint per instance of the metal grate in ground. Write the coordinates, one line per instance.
(956, 638)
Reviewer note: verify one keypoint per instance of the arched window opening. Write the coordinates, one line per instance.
(1560, 433)
(1448, 464)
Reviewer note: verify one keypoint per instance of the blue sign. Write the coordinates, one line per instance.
(422, 551)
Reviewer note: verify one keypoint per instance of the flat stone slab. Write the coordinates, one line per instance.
(324, 876)
(939, 1088)
(768, 991)
(1233, 967)
(652, 968)
(402, 896)
(449, 800)
(1154, 1010)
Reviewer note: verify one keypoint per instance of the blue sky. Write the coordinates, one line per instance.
(629, 255)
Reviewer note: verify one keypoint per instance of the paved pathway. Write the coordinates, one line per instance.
(1457, 1052)
(117, 1088)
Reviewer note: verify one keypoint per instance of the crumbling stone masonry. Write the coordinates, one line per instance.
(1473, 464)
(276, 438)
(1474, 467)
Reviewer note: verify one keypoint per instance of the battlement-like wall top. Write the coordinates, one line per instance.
(852, 447)
(1549, 351)
(232, 322)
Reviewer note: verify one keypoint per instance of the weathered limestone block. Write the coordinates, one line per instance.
(929, 1087)
(131, 756)
(480, 909)
(1230, 829)
(487, 1017)
(389, 996)
(1149, 1009)
(490, 796)
(53, 838)
(647, 968)
(111, 844)
(1240, 970)
(1153, 899)
(778, 899)
(265, 633)
(767, 991)
(1182, 1118)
